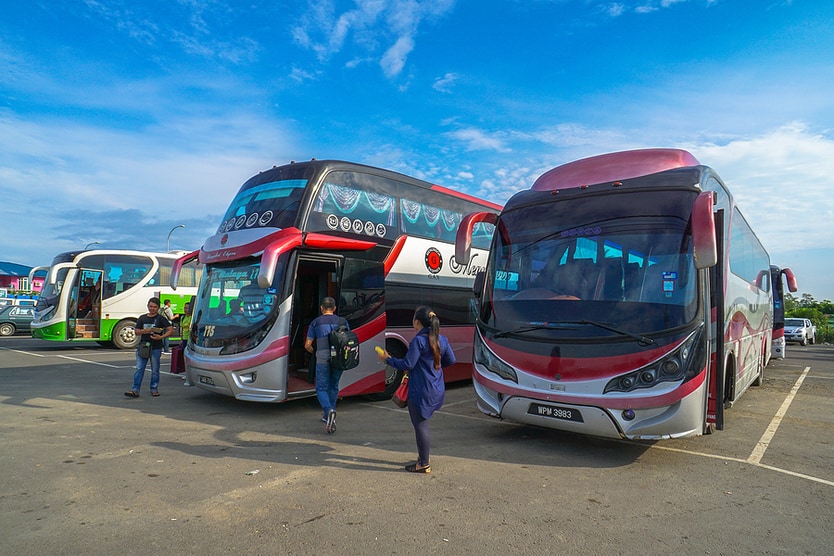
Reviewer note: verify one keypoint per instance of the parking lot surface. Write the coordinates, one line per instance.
(84, 469)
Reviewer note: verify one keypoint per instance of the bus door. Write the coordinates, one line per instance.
(316, 277)
(85, 309)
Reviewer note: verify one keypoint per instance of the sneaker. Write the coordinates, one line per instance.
(324, 418)
(331, 421)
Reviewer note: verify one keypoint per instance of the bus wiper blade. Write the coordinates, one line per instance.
(642, 340)
(535, 326)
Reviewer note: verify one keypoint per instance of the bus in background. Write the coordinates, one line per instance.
(625, 297)
(98, 295)
(778, 346)
(378, 242)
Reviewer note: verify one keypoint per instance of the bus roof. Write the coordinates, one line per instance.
(612, 167)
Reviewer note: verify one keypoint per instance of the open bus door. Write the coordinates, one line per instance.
(84, 318)
(316, 277)
(357, 285)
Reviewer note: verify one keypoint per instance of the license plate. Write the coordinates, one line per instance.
(555, 412)
(206, 380)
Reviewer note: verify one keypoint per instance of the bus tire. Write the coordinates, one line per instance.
(7, 329)
(124, 337)
(392, 376)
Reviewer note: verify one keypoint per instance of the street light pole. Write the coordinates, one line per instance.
(168, 241)
(93, 243)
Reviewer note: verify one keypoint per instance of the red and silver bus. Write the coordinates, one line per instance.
(625, 296)
(778, 345)
(380, 243)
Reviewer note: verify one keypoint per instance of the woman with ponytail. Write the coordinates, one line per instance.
(428, 353)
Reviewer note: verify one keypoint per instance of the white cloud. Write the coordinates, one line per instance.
(478, 140)
(782, 180)
(374, 26)
(444, 84)
(393, 60)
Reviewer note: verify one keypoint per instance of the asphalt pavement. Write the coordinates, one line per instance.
(85, 470)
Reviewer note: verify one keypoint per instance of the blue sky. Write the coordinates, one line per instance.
(122, 119)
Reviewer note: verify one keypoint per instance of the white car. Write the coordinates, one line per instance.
(800, 330)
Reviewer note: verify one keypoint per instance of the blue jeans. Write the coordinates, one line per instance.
(327, 386)
(141, 363)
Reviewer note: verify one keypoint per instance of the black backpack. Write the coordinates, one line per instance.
(344, 347)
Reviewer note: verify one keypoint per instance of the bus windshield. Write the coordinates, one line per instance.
(51, 293)
(274, 204)
(594, 276)
(232, 311)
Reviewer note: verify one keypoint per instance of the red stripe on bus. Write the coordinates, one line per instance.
(576, 369)
(633, 400)
(393, 254)
(277, 349)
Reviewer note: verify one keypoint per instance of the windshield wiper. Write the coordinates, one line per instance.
(536, 326)
(565, 325)
(642, 340)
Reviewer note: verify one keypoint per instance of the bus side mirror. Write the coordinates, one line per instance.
(478, 286)
(463, 239)
(177, 267)
(705, 246)
(790, 279)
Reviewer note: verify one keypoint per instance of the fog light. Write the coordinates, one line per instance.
(248, 378)
(628, 414)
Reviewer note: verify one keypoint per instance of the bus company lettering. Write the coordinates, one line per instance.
(225, 254)
(470, 269)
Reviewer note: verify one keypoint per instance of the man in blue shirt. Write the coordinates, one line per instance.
(327, 379)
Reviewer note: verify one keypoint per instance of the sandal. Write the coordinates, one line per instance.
(155, 394)
(132, 394)
(412, 468)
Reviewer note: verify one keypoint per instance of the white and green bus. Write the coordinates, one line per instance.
(96, 296)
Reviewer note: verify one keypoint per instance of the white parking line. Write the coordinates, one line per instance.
(764, 441)
(88, 361)
(22, 352)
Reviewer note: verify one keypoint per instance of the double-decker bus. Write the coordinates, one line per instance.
(378, 242)
(778, 346)
(625, 296)
(98, 295)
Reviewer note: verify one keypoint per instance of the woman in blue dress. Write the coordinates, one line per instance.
(427, 354)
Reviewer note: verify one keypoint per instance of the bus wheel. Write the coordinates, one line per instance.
(392, 376)
(124, 337)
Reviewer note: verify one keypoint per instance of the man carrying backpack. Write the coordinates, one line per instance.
(327, 376)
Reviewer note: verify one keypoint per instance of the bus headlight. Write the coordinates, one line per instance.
(485, 357)
(679, 365)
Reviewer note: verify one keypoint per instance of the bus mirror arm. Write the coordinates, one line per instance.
(704, 246)
(463, 239)
(269, 259)
(478, 286)
(176, 268)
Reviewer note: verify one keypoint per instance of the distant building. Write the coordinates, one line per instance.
(15, 277)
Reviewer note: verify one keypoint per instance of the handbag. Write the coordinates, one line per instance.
(144, 350)
(400, 397)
